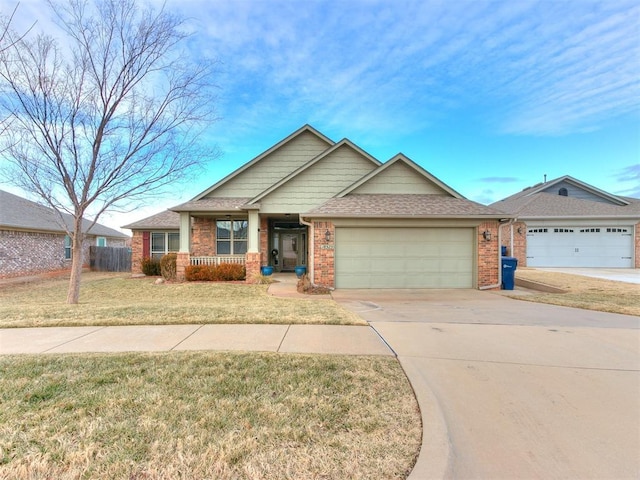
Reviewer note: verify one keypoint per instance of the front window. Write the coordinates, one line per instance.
(67, 247)
(163, 243)
(231, 237)
(101, 242)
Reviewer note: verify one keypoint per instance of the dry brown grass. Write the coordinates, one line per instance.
(584, 292)
(118, 299)
(206, 415)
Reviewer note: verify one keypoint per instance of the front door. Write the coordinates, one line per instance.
(289, 248)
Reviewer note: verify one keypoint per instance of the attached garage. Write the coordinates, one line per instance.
(385, 257)
(582, 246)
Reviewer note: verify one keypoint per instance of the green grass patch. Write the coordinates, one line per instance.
(206, 415)
(118, 299)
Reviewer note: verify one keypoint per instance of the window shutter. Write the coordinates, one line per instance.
(146, 244)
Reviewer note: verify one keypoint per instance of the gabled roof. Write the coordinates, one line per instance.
(313, 161)
(246, 166)
(22, 214)
(404, 206)
(166, 220)
(540, 187)
(548, 205)
(400, 158)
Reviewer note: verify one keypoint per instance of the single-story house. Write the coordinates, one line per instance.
(349, 219)
(568, 223)
(32, 240)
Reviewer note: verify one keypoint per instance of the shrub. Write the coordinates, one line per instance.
(227, 272)
(168, 266)
(150, 266)
(199, 273)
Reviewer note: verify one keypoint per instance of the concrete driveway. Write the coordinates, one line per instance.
(512, 389)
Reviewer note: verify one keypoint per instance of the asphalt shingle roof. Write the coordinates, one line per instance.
(23, 214)
(552, 205)
(404, 205)
(209, 204)
(167, 220)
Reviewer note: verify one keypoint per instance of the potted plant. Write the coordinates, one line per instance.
(300, 270)
(266, 270)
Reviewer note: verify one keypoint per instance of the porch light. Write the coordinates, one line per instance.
(487, 235)
(327, 235)
(519, 230)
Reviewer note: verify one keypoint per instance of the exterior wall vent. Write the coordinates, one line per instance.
(563, 192)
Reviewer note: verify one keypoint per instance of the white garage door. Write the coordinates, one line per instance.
(404, 257)
(580, 247)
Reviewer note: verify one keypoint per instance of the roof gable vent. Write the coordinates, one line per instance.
(563, 192)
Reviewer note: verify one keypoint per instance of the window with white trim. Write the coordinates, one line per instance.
(67, 247)
(231, 237)
(101, 241)
(163, 243)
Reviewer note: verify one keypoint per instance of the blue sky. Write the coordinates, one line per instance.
(487, 96)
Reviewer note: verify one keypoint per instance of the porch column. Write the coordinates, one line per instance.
(185, 232)
(254, 232)
(183, 259)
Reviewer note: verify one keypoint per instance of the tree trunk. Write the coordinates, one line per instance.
(73, 294)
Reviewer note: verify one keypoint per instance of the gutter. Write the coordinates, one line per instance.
(312, 250)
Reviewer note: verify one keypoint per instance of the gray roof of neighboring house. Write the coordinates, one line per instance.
(541, 205)
(163, 220)
(540, 187)
(404, 205)
(20, 213)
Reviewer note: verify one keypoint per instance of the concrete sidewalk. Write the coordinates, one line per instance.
(320, 339)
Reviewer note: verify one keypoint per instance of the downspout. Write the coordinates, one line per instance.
(499, 284)
(312, 242)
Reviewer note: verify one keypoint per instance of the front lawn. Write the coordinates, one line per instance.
(583, 292)
(119, 299)
(206, 415)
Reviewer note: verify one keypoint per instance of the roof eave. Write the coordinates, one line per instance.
(402, 216)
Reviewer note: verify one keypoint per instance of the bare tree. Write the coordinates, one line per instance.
(110, 115)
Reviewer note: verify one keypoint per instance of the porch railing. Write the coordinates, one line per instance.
(217, 260)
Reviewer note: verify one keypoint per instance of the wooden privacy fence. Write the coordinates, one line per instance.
(110, 259)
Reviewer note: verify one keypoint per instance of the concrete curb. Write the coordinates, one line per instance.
(435, 459)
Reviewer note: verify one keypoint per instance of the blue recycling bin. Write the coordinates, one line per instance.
(509, 266)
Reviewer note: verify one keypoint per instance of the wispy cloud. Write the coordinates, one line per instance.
(541, 68)
(629, 177)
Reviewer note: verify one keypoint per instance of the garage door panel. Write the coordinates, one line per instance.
(598, 246)
(404, 257)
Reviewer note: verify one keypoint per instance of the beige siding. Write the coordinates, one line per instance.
(399, 178)
(318, 183)
(273, 167)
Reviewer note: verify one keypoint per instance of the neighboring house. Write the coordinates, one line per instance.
(351, 220)
(568, 223)
(33, 241)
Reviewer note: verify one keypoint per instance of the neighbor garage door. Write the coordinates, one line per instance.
(599, 246)
(404, 257)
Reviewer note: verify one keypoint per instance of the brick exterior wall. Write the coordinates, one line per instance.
(182, 260)
(252, 265)
(136, 252)
(203, 236)
(488, 263)
(324, 254)
(519, 241)
(31, 253)
(263, 243)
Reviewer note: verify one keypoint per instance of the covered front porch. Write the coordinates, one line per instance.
(242, 237)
